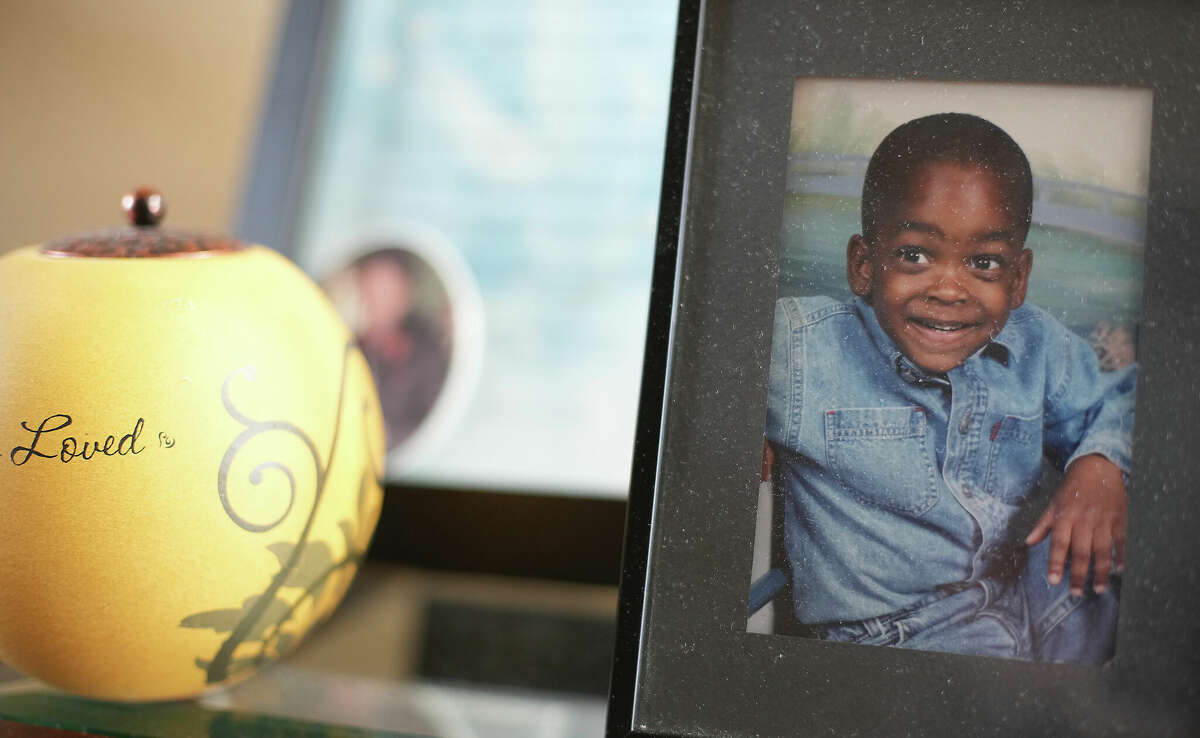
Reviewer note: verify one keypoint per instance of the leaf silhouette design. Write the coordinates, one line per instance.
(284, 642)
(276, 610)
(364, 484)
(283, 551)
(347, 533)
(303, 564)
(310, 570)
(222, 621)
(315, 564)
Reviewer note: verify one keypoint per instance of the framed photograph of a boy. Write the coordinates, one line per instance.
(891, 529)
(920, 268)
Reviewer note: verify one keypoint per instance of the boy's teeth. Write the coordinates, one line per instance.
(941, 326)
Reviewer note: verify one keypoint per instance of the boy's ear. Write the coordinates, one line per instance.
(860, 272)
(1016, 296)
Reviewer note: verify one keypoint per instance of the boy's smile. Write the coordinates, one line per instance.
(946, 265)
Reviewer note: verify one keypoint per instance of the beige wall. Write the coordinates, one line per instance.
(100, 96)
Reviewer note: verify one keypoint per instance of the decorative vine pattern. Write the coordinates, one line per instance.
(303, 564)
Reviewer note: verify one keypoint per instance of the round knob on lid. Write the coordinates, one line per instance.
(144, 207)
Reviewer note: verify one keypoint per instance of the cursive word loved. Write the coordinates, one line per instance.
(70, 448)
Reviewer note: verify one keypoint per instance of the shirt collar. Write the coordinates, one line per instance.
(1011, 339)
(1002, 348)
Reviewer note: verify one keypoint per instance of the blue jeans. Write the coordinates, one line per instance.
(1080, 630)
(1024, 619)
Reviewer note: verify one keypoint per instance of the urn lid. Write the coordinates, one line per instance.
(142, 238)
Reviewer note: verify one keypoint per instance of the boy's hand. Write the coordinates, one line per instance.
(1087, 515)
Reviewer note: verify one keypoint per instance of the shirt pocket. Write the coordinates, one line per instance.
(881, 457)
(1014, 457)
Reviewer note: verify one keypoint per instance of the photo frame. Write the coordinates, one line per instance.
(684, 664)
(619, 76)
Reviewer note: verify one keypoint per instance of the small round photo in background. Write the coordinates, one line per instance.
(415, 312)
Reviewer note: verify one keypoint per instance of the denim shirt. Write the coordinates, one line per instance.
(898, 483)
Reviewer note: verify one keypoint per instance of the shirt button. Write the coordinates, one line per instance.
(964, 425)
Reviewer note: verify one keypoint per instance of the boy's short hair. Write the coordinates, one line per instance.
(946, 137)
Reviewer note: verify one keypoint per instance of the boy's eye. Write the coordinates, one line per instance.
(985, 262)
(912, 255)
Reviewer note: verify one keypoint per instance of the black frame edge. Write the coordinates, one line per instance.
(644, 474)
(1158, 687)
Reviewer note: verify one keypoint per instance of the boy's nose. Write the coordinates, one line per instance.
(948, 288)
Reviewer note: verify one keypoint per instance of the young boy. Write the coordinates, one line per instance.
(909, 427)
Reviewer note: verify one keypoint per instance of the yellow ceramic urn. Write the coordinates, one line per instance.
(190, 459)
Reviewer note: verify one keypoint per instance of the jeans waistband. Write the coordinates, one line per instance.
(822, 630)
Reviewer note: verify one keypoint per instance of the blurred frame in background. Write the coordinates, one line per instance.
(529, 138)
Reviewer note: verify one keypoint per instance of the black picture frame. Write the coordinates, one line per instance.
(684, 664)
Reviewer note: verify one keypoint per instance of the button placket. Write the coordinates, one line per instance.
(964, 424)
(969, 398)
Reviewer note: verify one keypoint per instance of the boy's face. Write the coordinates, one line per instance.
(947, 265)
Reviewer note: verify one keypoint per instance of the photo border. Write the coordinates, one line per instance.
(683, 663)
